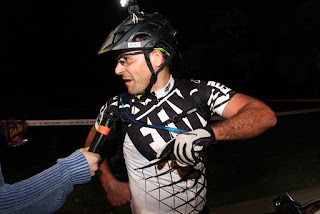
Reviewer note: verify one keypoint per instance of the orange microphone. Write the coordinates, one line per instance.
(108, 119)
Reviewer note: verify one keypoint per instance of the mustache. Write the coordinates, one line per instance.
(127, 76)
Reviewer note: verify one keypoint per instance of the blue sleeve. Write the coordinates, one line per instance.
(45, 192)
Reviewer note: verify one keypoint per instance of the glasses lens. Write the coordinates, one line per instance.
(122, 58)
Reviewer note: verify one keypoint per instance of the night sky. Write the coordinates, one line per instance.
(268, 49)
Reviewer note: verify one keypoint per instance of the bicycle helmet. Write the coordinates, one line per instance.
(142, 31)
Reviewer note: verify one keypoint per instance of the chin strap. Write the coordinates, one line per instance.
(154, 75)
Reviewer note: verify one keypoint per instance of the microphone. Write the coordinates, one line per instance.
(108, 119)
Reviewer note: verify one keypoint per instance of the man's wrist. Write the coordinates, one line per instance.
(210, 130)
(105, 175)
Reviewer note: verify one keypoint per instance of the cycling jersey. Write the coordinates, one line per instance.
(166, 188)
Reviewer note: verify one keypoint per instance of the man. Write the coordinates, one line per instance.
(167, 131)
(47, 191)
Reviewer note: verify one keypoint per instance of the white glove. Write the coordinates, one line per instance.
(187, 146)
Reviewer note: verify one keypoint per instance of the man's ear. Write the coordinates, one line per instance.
(156, 58)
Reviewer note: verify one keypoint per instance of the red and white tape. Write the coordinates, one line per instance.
(71, 122)
(86, 122)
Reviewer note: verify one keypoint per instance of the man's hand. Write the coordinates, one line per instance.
(188, 145)
(93, 160)
(118, 193)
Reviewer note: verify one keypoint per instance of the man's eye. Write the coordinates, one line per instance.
(121, 61)
(124, 59)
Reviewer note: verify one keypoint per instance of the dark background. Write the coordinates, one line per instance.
(50, 68)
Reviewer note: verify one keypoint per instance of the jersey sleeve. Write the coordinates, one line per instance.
(216, 95)
(112, 101)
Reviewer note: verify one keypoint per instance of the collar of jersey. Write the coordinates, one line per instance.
(165, 90)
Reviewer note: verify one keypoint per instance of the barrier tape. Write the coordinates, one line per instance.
(304, 111)
(71, 122)
(85, 122)
(294, 100)
(283, 113)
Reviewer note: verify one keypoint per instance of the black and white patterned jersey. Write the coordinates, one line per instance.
(163, 188)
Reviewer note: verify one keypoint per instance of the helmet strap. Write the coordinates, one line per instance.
(154, 75)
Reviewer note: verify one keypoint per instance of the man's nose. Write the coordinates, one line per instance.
(119, 69)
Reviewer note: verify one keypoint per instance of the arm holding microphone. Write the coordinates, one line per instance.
(46, 191)
(118, 193)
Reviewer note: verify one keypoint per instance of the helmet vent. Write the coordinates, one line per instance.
(118, 37)
(153, 27)
(140, 37)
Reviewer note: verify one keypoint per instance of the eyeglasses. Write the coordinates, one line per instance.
(123, 58)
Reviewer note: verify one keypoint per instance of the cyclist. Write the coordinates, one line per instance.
(167, 129)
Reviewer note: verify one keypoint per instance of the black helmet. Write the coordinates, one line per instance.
(142, 31)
